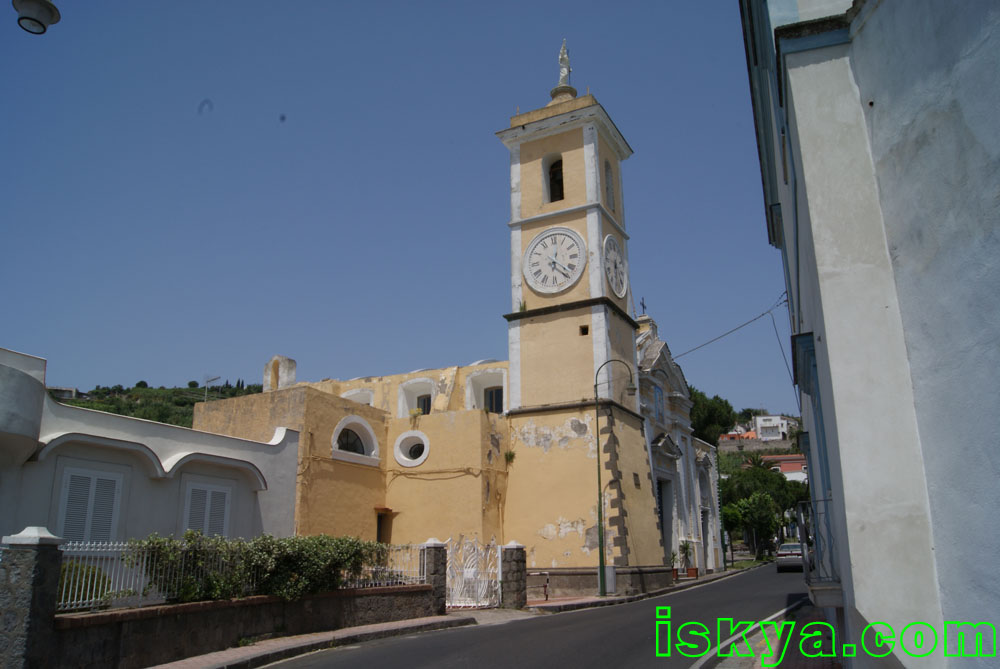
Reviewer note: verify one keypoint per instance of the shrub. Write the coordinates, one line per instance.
(198, 568)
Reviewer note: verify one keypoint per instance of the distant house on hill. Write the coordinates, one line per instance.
(769, 428)
(793, 466)
(738, 435)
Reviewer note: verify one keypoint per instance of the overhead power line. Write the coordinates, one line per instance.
(781, 301)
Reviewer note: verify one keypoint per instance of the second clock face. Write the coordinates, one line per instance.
(614, 266)
(554, 260)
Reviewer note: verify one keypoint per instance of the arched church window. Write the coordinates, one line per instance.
(609, 185)
(349, 441)
(556, 181)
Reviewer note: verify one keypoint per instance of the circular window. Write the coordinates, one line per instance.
(411, 448)
(351, 442)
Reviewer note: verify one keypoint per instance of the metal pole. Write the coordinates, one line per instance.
(601, 587)
(631, 390)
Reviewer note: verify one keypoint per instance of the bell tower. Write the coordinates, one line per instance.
(569, 251)
(569, 321)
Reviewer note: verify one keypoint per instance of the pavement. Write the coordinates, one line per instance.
(272, 650)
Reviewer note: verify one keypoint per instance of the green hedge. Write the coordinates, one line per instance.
(198, 568)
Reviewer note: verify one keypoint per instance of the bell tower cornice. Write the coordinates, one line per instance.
(556, 119)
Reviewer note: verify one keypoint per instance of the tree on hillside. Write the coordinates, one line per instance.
(746, 415)
(710, 417)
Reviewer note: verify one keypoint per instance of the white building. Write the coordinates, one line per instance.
(683, 466)
(94, 476)
(770, 428)
(879, 137)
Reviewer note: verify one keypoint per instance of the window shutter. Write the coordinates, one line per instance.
(75, 508)
(217, 512)
(208, 509)
(103, 509)
(89, 505)
(197, 502)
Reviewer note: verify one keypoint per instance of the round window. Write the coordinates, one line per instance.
(411, 448)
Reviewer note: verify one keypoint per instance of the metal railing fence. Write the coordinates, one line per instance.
(401, 565)
(97, 575)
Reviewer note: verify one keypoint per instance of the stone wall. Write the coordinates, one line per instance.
(142, 637)
(29, 577)
(513, 577)
(755, 445)
(32, 635)
(583, 582)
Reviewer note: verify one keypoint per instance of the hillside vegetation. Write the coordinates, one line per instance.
(164, 405)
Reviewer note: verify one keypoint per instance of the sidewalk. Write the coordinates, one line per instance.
(272, 650)
(559, 604)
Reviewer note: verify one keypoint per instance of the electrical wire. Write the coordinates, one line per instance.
(781, 301)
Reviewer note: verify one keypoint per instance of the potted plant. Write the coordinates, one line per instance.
(673, 565)
(687, 549)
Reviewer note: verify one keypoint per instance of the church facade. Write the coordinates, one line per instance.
(513, 450)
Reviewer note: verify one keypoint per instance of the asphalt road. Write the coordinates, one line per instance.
(609, 636)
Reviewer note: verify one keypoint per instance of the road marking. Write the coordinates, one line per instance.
(713, 652)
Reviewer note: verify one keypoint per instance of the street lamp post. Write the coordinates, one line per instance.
(630, 389)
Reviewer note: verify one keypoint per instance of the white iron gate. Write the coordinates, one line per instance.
(473, 574)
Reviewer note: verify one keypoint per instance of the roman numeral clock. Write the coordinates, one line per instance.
(554, 260)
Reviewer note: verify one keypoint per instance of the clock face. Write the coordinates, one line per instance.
(615, 268)
(554, 260)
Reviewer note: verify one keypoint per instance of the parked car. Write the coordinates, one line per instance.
(789, 556)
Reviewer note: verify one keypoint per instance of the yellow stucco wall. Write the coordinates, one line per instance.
(447, 383)
(552, 489)
(533, 182)
(458, 489)
(622, 337)
(332, 496)
(604, 153)
(556, 360)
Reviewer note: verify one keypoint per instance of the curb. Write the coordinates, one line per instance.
(625, 599)
(283, 648)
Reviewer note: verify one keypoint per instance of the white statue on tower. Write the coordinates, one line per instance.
(564, 68)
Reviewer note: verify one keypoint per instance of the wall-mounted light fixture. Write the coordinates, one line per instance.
(36, 16)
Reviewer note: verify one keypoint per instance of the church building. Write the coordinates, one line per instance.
(515, 450)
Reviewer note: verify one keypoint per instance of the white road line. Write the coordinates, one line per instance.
(712, 653)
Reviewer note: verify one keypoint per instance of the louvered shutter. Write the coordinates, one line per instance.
(208, 509)
(103, 509)
(217, 512)
(89, 505)
(197, 501)
(75, 507)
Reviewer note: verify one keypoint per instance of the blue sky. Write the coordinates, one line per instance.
(149, 235)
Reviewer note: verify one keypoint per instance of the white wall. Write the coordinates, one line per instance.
(935, 142)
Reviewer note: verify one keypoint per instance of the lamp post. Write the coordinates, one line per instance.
(630, 389)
